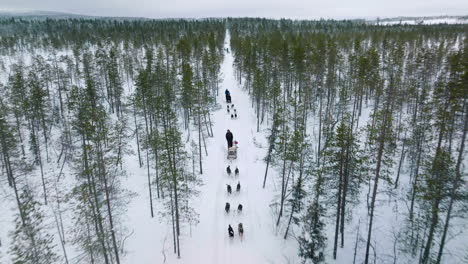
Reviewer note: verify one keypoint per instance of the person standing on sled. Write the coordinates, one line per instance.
(228, 96)
(229, 138)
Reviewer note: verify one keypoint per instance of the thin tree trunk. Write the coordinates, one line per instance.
(199, 137)
(376, 182)
(137, 136)
(282, 185)
(92, 189)
(338, 206)
(109, 211)
(402, 157)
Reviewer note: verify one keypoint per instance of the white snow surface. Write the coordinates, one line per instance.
(149, 240)
(423, 21)
(208, 242)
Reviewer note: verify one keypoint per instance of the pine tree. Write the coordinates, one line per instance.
(32, 242)
(312, 241)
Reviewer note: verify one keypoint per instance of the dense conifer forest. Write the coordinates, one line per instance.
(364, 129)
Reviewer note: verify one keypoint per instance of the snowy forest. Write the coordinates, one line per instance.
(351, 141)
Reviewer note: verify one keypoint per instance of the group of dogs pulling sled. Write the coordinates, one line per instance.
(232, 154)
(230, 108)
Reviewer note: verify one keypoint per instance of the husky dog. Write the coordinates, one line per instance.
(239, 208)
(229, 189)
(228, 170)
(236, 171)
(227, 207)
(240, 229)
(238, 187)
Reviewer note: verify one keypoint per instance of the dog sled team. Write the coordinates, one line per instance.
(232, 154)
(230, 107)
(240, 230)
(227, 207)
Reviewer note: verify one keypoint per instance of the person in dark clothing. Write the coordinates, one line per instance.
(228, 96)
(229, 138)
(230, 231)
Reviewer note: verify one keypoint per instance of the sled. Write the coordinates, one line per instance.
(232, 153)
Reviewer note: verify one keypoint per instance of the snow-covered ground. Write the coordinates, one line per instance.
(424, 21)
(150, 241)
(208, 242)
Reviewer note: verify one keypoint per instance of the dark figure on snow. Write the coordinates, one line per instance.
(228, 170)
(235, 116)
(235, 111)
(236, 171)
(238, 187)
(239, 208)
(227, 207)
(229, 189)
(228, 96)
(228, 110)
(232, 116)
(230, 231)
(232, 105)
(240, 228)
(229, 138)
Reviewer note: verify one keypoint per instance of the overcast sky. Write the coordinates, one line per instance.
(312, 9)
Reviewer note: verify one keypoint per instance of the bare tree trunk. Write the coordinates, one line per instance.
(199, 135)
(96, 212)
(149, 184)
(137, 136)
(172, 220)
(402, 157)
(356, 243)
(109, 211)
(376, 183)
(289, 221)
(338, 206)
(38, 150)
(282, 185)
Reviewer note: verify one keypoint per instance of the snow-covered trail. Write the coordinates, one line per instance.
(209, 242)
